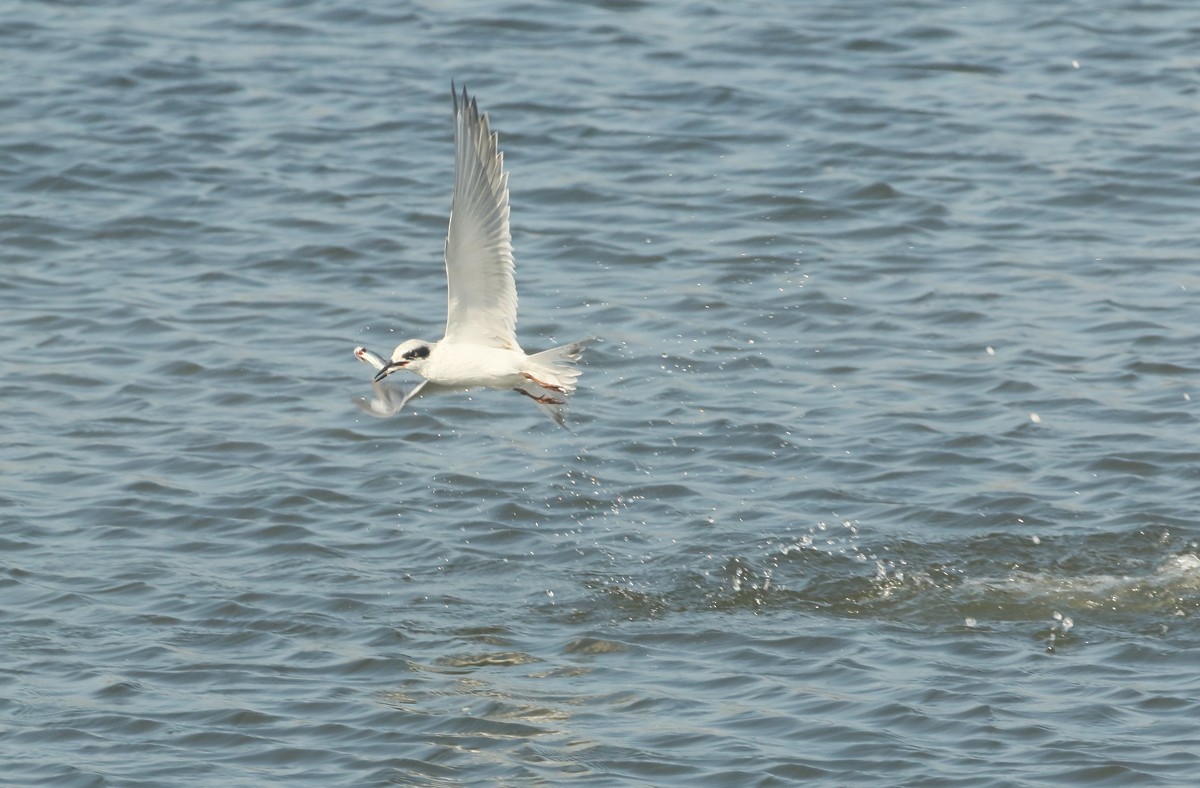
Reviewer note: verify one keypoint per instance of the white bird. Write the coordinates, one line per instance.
(480, 347)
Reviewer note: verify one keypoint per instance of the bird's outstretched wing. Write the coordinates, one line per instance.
(389, 400)
(482, 305)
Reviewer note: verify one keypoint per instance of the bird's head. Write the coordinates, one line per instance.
(410, 354)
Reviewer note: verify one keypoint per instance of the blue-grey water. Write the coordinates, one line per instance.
(886, 470)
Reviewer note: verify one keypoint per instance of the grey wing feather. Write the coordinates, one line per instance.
(482, 302)
(389, 400)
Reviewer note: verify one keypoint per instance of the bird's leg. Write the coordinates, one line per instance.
(552, 387)
(543, 400)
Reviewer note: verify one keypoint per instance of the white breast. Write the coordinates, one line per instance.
(474, 365)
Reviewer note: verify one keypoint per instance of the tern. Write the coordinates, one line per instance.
(479, 348)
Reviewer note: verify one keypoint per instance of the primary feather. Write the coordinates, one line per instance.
(482, 302)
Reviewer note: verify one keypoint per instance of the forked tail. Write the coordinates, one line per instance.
(552, 375)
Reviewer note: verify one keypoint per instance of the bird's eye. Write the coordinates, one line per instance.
(419, 352)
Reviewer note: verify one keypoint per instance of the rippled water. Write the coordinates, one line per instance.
(884, 472)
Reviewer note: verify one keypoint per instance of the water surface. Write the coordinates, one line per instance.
(885, 471)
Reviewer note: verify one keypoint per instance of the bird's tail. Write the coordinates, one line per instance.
(553, 374)
(556, 365)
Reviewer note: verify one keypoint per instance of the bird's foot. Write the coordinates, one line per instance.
(549, 386)
(542, 400)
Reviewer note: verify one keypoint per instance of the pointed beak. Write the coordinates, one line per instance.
(388, 369)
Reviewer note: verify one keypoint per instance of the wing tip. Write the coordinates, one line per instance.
(468, 101)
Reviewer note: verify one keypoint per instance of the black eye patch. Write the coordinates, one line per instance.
(417, 352)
